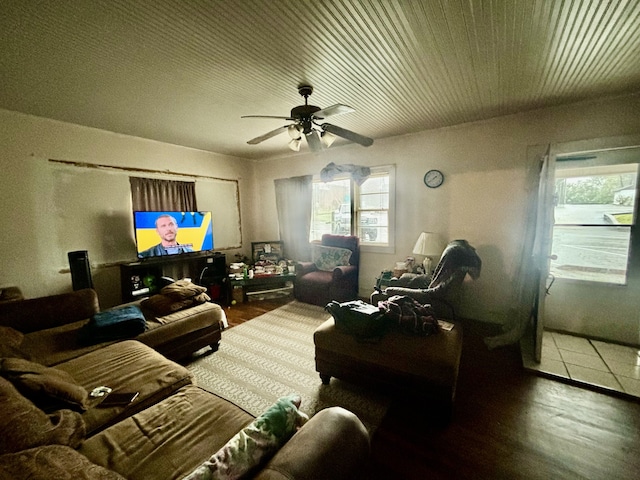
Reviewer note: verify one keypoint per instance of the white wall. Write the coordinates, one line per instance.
(483, 198)
(46, 214)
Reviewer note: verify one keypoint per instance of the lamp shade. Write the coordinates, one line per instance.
(429, 245)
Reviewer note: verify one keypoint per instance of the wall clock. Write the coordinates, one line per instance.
(433, 178)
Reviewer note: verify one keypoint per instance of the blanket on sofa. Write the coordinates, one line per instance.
(115, 324)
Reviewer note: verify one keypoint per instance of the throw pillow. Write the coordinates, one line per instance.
(48, 387)
(328, 258)
(52, 461)
(162, 305)
(254, 445)
(182, 289)
(10, 341)
(25, 426)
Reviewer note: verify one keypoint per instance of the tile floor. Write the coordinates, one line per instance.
(589, 362)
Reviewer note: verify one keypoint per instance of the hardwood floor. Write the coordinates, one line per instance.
(507, 423)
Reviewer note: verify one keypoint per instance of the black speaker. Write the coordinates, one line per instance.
(80, 269)
(217, 265)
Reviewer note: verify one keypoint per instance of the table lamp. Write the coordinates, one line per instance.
(430, 245)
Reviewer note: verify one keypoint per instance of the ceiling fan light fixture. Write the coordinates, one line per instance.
(295, 144)
(327, 138)
(295, 131)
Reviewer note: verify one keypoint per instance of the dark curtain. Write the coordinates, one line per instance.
(150, 194)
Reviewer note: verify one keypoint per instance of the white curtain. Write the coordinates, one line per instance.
(293, 203)
(533, 268)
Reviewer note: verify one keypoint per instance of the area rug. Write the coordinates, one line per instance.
(271, 356)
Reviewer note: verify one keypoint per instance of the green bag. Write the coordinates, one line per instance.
(357, 318)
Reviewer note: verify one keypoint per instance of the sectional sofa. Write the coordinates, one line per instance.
(51, 427)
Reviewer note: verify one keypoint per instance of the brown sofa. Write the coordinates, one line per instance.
(52, 324)
(171, 428)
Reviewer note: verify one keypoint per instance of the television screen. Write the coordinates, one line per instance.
(172, 233)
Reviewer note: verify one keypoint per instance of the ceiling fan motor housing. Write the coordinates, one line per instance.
(304, 111)
(304, 115)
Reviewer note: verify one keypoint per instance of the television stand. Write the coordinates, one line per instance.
(143, 278)
(241, 289)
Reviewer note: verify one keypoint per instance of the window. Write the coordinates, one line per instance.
(594, 219)
(342, 207)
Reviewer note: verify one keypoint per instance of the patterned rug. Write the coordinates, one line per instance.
(271, 356)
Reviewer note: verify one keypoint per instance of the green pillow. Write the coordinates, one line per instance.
(328, 258)
(254, 445)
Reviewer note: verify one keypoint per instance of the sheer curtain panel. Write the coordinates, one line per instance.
(293, 203)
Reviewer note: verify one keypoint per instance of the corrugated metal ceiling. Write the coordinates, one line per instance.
(184, 72)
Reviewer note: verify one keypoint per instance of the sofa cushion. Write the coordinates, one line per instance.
(55, 345)
(40, 313)
(255, 444)
(49, 388)
(170, 439)
(52, 462)
(328, 258)
(24, 425)
(162, 329)
(127, 366)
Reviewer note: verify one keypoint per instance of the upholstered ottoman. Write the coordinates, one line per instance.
(398, 363)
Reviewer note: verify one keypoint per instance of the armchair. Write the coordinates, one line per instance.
(458, 259)
(333, 272)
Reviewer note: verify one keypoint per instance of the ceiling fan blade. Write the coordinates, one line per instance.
(313, 139)
(266, 136)
(266, 116)
(348, 134)
(337, 109)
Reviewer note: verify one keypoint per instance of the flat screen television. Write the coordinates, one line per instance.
(172, 233)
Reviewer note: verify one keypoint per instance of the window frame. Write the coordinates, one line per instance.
(354, 196)
(634, 238)
(389, 246)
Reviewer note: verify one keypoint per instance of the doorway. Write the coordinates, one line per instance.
(594, 246)
(589, 322)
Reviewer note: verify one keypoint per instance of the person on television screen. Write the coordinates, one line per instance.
(167, 229)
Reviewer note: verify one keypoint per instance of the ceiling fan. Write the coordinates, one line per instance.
(306, 122)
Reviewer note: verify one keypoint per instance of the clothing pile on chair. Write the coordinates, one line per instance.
(410, 316)
(458, 256)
